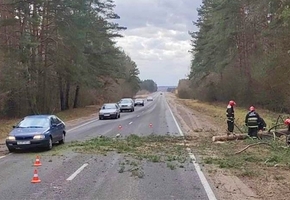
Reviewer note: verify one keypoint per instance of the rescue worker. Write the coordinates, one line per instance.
(252, 121)
(230, 117)
(287, 122)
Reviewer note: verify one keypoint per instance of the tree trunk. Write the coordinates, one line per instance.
(229, 137)
(76, 96)
(67, 91)
(61, 94)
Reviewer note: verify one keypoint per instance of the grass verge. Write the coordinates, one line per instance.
(249, 163)
(218, 112)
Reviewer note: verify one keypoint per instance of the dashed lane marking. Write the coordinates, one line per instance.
(77, 172)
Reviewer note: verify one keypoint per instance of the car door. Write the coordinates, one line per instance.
(118, 109)
(53, 129)
(59, 127)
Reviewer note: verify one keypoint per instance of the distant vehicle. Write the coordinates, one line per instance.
(160, 93)
(126, 104)
(109, 110)
(149, 98)
(36, 131)
(139, 102)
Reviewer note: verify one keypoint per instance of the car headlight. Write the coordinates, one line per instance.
(10, 138)
(38, 137)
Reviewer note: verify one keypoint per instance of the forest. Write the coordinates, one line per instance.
(61, 54)
(148, 85)
(241, 51)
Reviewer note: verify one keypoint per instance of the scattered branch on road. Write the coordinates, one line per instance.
(153, 148)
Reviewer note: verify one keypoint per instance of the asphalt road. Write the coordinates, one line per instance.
(69, 175)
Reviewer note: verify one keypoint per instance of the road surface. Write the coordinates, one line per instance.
(68, 175)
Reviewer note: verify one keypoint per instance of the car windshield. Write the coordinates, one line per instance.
(125, 101)
(108, 106)
(138, 100)
(34, 123)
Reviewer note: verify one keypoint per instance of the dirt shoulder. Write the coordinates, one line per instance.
(249, 175)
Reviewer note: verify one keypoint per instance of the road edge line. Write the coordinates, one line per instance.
(203, 180)
(71, 177)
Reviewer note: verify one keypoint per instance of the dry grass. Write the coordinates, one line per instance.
(6, 124)
(218, 112)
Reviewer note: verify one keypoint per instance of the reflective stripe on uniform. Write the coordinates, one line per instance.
(252, 126)
(253, 119)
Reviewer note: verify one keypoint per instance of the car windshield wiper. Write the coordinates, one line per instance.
(34, 127)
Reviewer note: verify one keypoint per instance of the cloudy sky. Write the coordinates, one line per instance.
(157, 37)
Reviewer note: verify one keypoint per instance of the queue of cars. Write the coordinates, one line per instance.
(42, 131)
(113, 110)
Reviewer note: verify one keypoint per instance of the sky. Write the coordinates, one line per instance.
(157, 38)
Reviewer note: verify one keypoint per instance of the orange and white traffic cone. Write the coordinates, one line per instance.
(150, 125)
(35, 178)
(37, 162)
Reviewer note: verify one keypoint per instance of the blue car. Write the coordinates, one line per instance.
(36, 131)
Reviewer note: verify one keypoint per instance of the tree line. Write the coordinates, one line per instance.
(61, 54)
(148, 85)
(241, 51)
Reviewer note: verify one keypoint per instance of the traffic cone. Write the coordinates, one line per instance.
(119, 127)
(150, 125)
(37, 162)
(35, 178)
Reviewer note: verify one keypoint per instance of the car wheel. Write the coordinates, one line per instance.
(11, 149)
(119, 115)
(49, 146)
(63, 139)
(142, 104)
(100, 118)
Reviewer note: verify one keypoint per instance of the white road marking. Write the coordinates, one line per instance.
(204, 182)
(5, 155)
(179, 129)
(130, 123)
(77, 172)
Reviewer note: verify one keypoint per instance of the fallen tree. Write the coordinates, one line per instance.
(261, 135)
(229, 137)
